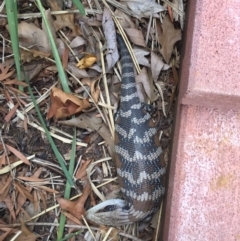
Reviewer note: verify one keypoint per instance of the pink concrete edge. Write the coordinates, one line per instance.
(184, 71)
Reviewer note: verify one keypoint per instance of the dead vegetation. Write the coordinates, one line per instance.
(31, 181)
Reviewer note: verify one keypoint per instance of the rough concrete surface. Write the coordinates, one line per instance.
(203, 196)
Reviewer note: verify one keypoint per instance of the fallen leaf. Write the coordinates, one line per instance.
(145, 8)
(15, 82)
(168, 38)
(11, 113)
(4, 72)
(140, 55)
(170, 13)
(2, 160)
(64, 104)
(136, 36)
(48, 189)
(23, 191)
(125, 20)
(82, 170)
(112, 55)
(5, 185)
(10, 205)
(31, 179)
(30, 210)
(26, 234)
(4, 235)
(95, 90)
(147, 83)
(71, 217)
(64, 20)
(76, 208)
(18, 154)
(77, 42)
(17, 91)
(79, 73)
(86, 61)
(157, 65)
(34, 35)
(65, 58)
(90, 121)
(21, 199)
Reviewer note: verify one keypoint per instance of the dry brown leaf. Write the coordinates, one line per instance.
(64, 20)
(71, 217)
(86, 61)
(15, 82)
(95, 90)
(170, 13)
(136, 36)
(26, 234)
(18, 154)
(3, 236)
(65, 58)
(43, 200)
(5, 185)
(157, 65)
(77, 42)
(31, 179)
(11, 113)
(64, 104)
(90, 121)
(10, 205)
(21, 199)
(4, 74)
(109, 30)
(168, 38)
(125, 20)
(23, 191)
(28, 56)
(30, 210)
(76, 208)
(3, 160)
(79, 73)
(145, 8)
(17, 91)
(7, 95)
(140, 55)
(82, 172)
(48, 189)
(34, 35)
(147, 83)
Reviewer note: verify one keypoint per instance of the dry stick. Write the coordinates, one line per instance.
(89, 229)
(15, 225)
(111, 121)
(107, 234)
(66, 41)
(111, 127)
(158, 222)
(39, 15)
(122, 8)
(149, 26)
(161, 93)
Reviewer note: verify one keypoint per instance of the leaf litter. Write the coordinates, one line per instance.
(31, 182)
